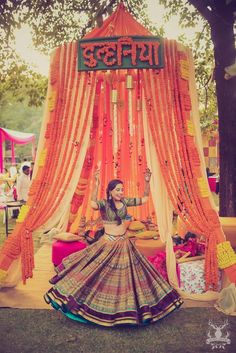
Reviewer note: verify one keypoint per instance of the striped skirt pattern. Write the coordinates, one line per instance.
(111, 283)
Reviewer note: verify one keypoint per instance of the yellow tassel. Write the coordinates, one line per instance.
(23, 213)
(190, 128)
(225, 255)
(114, 95)
(52, 101)
(129, 81)
(203, 187)
(42, 158)
(184, 69)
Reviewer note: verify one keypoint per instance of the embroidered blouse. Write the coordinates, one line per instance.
(108, 215)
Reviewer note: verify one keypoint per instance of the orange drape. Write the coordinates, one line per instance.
(108, 106)
(69, 103)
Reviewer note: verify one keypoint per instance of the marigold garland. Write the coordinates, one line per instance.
(184, 69)
(52, 101)
(190, 128)
(226, 255)
(42, 158)
(203, 187)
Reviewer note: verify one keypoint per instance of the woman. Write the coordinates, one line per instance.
(110, 282)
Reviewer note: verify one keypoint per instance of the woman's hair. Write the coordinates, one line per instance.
(111, 186)
(99, 233)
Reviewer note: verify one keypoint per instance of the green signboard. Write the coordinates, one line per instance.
(112, 53)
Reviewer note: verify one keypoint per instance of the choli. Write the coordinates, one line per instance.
(108, 215)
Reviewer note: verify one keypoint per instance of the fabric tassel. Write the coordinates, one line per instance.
(114, 96)
(129, 81)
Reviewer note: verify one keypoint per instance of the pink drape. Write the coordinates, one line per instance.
(17, 137)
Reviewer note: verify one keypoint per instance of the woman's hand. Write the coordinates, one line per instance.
(147, 175)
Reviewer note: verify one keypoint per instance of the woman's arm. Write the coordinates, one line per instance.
(147, 178)
(94, 195)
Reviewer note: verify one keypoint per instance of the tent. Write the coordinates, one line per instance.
(122, 119)
(15, 137)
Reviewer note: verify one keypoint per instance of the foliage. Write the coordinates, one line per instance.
(202, 48)
(52, 23)
(24, 83)
(19, 116)
(55, 22)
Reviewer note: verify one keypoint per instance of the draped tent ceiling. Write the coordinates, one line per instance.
(122, 120)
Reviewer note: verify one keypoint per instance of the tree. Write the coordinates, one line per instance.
(52, 23)
(220, 17)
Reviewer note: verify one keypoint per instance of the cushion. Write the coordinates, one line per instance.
(136, 225)
(67, 237)
(147, 234)
(61, 250)
(149, 247)
(192, 276)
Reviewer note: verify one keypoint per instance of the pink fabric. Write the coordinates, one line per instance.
(13, 159)
(21, 138)
(191, 245)
(212, 183)
(61, 249)
(1, 151)
(159, 260)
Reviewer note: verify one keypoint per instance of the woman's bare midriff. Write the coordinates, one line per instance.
(116, 230)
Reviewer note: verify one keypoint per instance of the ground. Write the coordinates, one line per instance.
(46, 331)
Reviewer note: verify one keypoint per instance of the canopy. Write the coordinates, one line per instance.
(18, 137)
(123, 120)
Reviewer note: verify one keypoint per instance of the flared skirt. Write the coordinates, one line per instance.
(111, 283)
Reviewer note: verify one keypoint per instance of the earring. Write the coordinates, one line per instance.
(109, 197)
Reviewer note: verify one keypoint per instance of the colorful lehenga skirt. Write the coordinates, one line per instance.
(111, 283)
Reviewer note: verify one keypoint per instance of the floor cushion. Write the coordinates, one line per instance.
(61, 249)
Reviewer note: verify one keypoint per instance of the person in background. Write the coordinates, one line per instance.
(24, 163)
(23, 184)
(209, 173)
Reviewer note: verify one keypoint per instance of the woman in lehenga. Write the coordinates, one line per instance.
(110, 282)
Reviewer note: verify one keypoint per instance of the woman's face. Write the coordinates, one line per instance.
(118, 192)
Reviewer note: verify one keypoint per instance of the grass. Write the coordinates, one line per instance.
(46, 331)
(11, 225)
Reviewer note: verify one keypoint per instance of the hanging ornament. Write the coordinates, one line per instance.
(130, 118)
(114, 95)
(129, 81)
